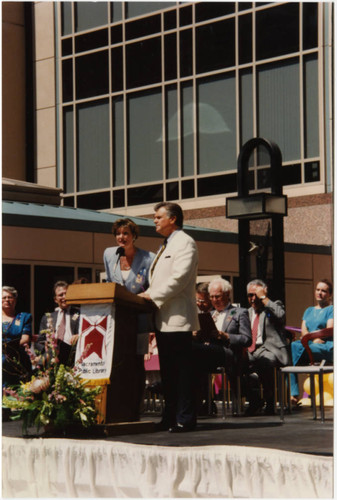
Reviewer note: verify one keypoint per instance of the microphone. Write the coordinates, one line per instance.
(120, 252)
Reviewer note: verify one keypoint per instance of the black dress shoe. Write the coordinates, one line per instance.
(254, 408)
(269, 410)
(162, 426)
(176, 429)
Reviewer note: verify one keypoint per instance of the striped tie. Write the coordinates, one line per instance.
(254, 333)
(62, 326)
(162, 248)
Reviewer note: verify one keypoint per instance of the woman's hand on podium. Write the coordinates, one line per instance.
(144, 295)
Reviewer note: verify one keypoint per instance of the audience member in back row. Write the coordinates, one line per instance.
(224, 346)
(204, 303)
(314, 318)
(269, 346)
(64, 321)
(16, 333)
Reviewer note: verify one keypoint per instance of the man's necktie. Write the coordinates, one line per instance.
(162, 248)
(254, 333)
(62, 326)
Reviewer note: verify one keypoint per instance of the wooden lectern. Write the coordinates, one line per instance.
(121, 396)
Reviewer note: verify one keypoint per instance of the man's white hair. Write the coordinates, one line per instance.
(224, 284)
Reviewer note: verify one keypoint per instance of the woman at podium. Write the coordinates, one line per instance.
(129, 266)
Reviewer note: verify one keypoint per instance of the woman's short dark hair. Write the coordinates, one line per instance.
(327, 282)
(173, 210)
(126, 223)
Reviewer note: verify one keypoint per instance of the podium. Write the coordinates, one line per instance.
(121, 391)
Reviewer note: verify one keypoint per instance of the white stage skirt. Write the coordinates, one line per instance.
(41, 468)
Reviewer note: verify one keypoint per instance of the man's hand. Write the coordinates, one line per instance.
(74, 339)
(144, 295)
(260, 292)
(223, 335)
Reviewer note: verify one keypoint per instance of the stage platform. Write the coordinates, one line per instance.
(239, 457)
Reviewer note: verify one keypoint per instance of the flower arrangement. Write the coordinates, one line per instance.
(55, 395)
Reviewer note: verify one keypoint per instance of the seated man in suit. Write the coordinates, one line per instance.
(269, 346)
(65, 322)
(224, 346)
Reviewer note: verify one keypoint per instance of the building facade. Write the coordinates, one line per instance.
(123, 104)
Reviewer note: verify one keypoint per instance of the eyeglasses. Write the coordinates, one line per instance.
(250, 295)
(215, 296)
(201, 301)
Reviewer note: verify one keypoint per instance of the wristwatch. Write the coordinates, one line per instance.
(263, 297)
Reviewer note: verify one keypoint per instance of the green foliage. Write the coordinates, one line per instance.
(55, 395)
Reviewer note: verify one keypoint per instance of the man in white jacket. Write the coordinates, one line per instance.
(172, 288)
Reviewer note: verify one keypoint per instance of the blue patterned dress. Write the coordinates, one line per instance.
(12, 352)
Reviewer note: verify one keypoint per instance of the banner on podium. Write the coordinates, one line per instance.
(96, 342)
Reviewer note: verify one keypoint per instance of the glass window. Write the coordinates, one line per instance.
(277, 31)
(311, 119)
(187, 129)
(66, 18)
(91, 41)
(144, 141)
(118, 141)
(145, 194)
(69, 201)
(246, 106)
(141, 27)
(279, 106)
(143, 63)
(245, 5)
(187, 189)
(217, 124)
(172, 191)
(215, 46)
(140, 8)
(219, 184)
(245, 39)
(210, 10)
(116, 69)
(185, 42)
(291, 174)
(116, 9)
(90, 14)
(95, 201)
(93, 145)
(310, 25)
(67, 80)
(185, 15)
(92, 75)
(170, 42)
(311, 172)
(118, 198)
(68, 149)
(170, 20)
(171, 132)
(67, 47)
(116, 34)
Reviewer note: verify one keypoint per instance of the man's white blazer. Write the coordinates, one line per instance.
(172, 285)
